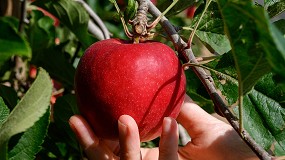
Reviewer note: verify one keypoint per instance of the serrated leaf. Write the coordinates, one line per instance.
(30, 142)
(30, 108)
(4, 111)
(11, 43)
(72, 15)
(263, 114)
(276, 8)
(268, 117)
(268, 86)
(9, 95)
(64, 108)
(130, 10)
(249, 34)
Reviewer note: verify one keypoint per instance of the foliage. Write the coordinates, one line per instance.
(247, 50)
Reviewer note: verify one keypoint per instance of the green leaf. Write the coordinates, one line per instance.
(30, 142)
(64, 108)
(275, 49)
(9, 95)
(131, 10)
(218, 42)
(30, 108)
(41, 32)
(211, 30)
(280, 24)
(225, 77)
(4, 111)
(249, 35)
(263, 108)
(72, 15)
(58, 68)
(267, 85)
(11, 42)
(268, 3)
(276, 8)
(268, 117)
(197, 92)
(113, 1)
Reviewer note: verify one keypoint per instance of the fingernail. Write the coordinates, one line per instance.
(166, 125)
(122, 128)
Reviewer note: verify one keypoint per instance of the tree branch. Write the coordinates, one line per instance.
(22, 16)
(96, 20)
(186, 55)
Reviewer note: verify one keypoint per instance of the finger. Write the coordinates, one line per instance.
(88, 141)
(168, 145)
(129, 138)
(193, 118)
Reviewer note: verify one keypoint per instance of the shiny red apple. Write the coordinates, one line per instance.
(116, 77)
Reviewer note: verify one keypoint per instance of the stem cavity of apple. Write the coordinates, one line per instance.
(141, 29)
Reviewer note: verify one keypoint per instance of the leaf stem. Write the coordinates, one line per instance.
(240, 109)
(198, 23)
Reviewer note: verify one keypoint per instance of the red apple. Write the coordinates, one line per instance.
(116, 77)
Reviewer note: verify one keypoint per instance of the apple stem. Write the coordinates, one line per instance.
(139, 23)
(185, 53)
(141, 28)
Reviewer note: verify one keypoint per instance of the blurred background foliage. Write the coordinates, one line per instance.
(243, 40)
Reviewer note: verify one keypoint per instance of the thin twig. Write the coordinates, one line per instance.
(22, 16)
(95, 30)
(95, 18)
(187, 55)
(198, 23)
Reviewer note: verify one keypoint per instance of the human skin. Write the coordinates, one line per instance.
(210, 139)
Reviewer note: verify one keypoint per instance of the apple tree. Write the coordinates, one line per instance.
(232, 52)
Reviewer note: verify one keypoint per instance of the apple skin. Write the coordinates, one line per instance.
(116, 77)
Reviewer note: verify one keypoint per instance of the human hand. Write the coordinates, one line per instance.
(210, 139)
(95, 148)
